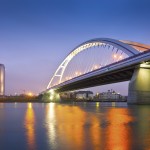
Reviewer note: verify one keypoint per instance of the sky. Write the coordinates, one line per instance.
(36, 35)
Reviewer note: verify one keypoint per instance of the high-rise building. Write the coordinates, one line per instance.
(2, 79)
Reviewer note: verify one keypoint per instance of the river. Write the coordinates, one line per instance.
(74, 126)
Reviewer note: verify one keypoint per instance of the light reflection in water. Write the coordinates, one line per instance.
(29, 105)
(97, 104)
(113, 104)
(29, 124)
(71, 125)
(96, 133)
(74, 127)
(118, 132)
(50, 124)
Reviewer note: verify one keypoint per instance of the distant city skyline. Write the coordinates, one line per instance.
(35, 36)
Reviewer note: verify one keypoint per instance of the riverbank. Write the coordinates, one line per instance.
(19, 99)
(36, 99)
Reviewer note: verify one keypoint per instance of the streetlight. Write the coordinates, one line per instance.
(115, 56)
(76, 73)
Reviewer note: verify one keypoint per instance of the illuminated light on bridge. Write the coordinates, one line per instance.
(117, 58)
(95, 67)
(51, 91)
(120, 57)
(144, 64)
(76, 73)
(80, 73)
(53, 96)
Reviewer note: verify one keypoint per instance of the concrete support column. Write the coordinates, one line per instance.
(51, 96)
(139, 86)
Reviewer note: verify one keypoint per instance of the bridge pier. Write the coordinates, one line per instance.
(51, 96)
(139, 86)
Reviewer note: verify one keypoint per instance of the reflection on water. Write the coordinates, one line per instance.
(29, 124)
(50, 125)
(119, 131)
(72, 125)
(82, 130)
(76, 126)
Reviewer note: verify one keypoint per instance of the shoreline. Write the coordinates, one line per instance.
(62, 101)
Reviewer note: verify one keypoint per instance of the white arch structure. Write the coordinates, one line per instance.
(128, 47)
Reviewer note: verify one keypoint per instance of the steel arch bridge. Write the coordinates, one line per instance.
(129, 48)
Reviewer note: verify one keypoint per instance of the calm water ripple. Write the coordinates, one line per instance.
(74, 126)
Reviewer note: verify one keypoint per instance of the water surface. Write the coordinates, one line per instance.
(74, 126)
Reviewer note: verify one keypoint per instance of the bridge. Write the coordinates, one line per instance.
(118, 61)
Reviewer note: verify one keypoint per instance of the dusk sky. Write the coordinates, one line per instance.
(35, 36)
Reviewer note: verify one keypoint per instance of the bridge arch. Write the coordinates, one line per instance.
(129, 49)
